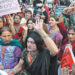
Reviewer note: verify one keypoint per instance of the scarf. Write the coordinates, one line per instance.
(13, 42)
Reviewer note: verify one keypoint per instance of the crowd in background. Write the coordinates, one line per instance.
(39, 31)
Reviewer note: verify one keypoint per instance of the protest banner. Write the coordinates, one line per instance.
(9, 7)
(67, 58)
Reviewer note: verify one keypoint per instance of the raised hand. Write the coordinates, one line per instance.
(25, 28)
(39, 25)
(9, 19)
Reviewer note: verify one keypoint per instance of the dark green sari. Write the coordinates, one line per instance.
(44, 64)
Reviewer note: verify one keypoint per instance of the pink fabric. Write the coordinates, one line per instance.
(56, 1)
(47, 10)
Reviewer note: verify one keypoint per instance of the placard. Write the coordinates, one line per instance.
(68, 58)
(9, 7)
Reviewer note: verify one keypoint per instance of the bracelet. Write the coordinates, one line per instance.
(44, 36)
(14, 71)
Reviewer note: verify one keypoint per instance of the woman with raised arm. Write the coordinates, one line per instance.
(71, 43)
(36, 59)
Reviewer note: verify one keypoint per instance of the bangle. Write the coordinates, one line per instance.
(44, 36)
(14, 71)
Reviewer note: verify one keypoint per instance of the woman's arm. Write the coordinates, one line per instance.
(48, 41)
(18, 66)
(25, 33)
(59, 38)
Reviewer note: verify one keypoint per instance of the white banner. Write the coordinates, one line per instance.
(9, 7)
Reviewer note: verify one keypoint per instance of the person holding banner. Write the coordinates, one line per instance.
(68, 52)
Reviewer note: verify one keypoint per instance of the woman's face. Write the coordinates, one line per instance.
(1, 23)
(17, 19)
(28, 15)
(71, 35)
(52, 22)
(37, 16)
(31, 46)
(6, 36)
(30, 24)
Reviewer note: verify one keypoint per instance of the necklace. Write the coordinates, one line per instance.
(17, 29)
(53, 30)
(32, 56)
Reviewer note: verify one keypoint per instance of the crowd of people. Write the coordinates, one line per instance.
(32, 42)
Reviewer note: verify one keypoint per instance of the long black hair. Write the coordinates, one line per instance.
(33, 20)
(38, 40)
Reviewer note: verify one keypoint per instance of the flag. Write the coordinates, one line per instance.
(67, 58)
